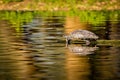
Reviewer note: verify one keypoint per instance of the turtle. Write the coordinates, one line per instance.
(81, 34)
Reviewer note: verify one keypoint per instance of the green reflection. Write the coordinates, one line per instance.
(18, 18)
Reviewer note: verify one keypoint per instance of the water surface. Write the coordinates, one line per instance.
(39, 52)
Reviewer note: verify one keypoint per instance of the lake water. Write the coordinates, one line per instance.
(38, 50)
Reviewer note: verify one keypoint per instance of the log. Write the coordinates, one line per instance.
(98, 42)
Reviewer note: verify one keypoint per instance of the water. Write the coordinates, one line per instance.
(40, 52)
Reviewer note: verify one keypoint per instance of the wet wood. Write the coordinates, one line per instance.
(108, 42)
(98, 42)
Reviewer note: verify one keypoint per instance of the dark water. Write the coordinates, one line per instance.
(41, 54)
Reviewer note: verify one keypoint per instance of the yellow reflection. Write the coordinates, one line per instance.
(77, 67)
(73, 23)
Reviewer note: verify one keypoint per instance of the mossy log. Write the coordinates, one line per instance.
(98, 42)
(108, 42)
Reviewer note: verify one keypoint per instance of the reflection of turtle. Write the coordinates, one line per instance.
(81, 50)
(81, 34)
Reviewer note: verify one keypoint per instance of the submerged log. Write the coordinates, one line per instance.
(108, 42)
(97, 42)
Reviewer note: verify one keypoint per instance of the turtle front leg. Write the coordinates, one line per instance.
(68, 41)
